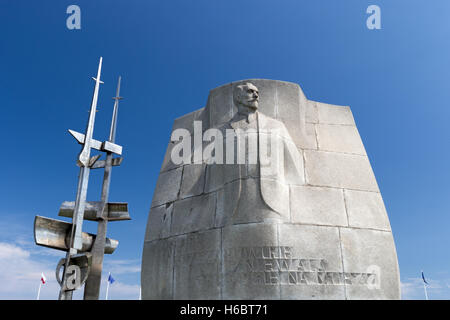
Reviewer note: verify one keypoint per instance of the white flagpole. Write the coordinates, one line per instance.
(107, 286)
(39, 291)
(140, 293)
(424, 286)
(426, 294)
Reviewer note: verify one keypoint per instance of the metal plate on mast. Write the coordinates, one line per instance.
(117, 211)
(55, 234)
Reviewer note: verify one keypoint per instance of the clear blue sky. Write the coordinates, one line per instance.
(170, 54)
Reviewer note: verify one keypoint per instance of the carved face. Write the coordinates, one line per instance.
(247, 95)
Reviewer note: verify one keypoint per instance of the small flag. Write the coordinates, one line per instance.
(43, 278)
(423, 277)
(110, 279)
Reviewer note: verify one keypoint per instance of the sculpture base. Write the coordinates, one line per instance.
(272, 261)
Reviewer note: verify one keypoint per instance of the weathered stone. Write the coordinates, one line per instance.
(304, 220)
(316, 205)
(239, 279)
(158, 224)
(219, 108)
(252, 169)
(193, 214)
(366, 210)
(226, 203)
(244, 146)
(339, 170)
(167, 187)
(184, 122)
(372, 252)
(339, 138)
(252, 208)
(167, 161)
(311, 142)
(218, 175)
(187, 121)
(198, 266)
(291, 110)
(294, 170)
(157, 271)
(193, 180)
(332, 114)
(311, 112)
(276, 196)
(320, 248)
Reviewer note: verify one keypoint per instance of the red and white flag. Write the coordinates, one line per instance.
(43, 278)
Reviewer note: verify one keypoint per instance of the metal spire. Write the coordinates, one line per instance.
(76, 240)
(85, 153)
(92, 287)
(112, 133)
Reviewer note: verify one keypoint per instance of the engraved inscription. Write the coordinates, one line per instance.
(269, 265)
(275, 265)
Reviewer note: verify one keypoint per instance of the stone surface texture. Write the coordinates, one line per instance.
(314, 227)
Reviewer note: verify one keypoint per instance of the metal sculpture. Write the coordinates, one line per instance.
(84, 258)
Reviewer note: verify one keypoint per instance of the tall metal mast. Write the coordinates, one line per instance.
(83, 181)
(92, 287)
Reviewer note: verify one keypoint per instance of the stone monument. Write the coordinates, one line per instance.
(264, 194)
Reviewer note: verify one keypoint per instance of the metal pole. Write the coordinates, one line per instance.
(80, 199)
(112, 133)
(92, 287)
(426, 293)
(83, 180)
(39, 291)
(83, 158)
(107, 287)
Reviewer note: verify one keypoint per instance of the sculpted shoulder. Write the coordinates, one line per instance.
(269, 125)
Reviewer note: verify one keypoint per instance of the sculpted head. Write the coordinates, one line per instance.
(246, 96)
